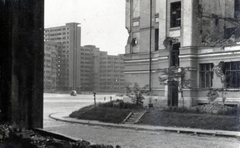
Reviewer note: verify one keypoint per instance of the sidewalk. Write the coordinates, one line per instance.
(64, 117)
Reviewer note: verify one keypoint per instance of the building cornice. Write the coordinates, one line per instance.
(212, 54)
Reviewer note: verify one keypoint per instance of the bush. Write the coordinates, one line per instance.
(107, 104)
(218, 109)
(212, 108)
(119, 104)
(124, 105)
(182, 109)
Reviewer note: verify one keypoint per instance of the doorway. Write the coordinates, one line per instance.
(172, 93)
(172, 82)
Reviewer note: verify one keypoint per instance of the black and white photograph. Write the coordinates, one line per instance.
(120, 74)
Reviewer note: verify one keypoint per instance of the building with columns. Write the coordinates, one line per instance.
(193, 34)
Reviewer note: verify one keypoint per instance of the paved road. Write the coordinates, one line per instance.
(65, 103)
(124, 137)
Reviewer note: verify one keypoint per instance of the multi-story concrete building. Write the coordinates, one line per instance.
(101, 72)
(87, 68)
(50, 65)
(68, 72)
(193, 34)
(111, 73)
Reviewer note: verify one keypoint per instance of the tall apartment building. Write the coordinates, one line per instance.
(68, 71)
(111, 73)
(193, 34)
(101, 72)
(51, 50)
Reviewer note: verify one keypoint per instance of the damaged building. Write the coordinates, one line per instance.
(201, 36)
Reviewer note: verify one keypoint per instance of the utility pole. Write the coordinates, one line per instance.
(150, 46)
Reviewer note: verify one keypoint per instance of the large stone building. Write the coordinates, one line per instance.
(193, 34)
(68, 58)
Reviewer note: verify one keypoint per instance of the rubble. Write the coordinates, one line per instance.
(216, 108)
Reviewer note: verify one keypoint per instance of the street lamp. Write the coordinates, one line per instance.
(94, 95)
(150, 48)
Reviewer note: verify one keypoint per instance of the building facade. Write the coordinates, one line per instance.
(68, 71)
(51, 81)
(111, 73)
(68, 66)
(197, 35)
(101, 72)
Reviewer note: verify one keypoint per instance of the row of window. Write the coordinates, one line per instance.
(110, 83)
(52, 30)
(112, 88)
(116, 80)
(231, 71)
(86, 49)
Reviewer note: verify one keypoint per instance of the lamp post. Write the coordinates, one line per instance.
(150, 46)
(94, 97)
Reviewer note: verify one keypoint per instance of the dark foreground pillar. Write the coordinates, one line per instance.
(21, 70)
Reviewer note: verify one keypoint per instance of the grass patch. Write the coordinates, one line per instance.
(199, 117)
(202, 121)
(103, 114)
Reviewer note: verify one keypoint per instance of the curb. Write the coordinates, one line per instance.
(194, 131)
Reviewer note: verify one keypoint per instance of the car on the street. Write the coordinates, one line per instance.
(73, 93)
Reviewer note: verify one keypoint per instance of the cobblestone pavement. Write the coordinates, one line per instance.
(127, 138)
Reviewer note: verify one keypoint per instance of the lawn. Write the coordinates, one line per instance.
(103, 114)
(158, 117)
(203, 121)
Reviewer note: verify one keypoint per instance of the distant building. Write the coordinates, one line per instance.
(101, 72)
(68, 67)
(50, 65)
(192, 34)
(111, 73)
(81, 68)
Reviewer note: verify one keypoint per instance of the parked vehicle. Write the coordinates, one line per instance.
(73, 93)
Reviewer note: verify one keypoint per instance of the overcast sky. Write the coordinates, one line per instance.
(102, 21)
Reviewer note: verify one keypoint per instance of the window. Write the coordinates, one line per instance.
(206, 75)
(175, 55)
(156, 39)
(135, 23)
(237, 9)
(232, 74)
(175, 14)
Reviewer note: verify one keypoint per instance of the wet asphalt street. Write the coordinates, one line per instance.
(126, 138)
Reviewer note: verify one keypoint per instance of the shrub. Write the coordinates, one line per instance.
(122, 105)
(137, 93)
(107, 104)
(212, 108)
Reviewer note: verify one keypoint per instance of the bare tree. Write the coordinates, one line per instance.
(137, 93)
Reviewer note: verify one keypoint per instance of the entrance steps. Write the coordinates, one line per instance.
(134, 117)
